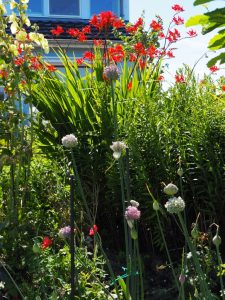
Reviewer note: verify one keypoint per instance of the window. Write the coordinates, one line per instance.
(54, 7)
(104, 5)
(65, 7)
(35, 7)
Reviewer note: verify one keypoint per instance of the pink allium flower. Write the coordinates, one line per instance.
(132, 213)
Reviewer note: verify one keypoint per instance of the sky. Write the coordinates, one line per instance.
(188, 50)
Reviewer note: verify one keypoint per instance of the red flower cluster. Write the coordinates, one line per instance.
(173, 36)
(116, 53)
(152, 51)
(93, 230)
(178, 20)
(50, 68)
(177, 8)
(88, 55)
(3, 74)
(156, 26)
(57, 31)
(179, 78)
(105, 20)
(139, 49)
(19, 61)
(79, 34)
(133, 28)
(47, 242)
(213, 69)
(79, 61)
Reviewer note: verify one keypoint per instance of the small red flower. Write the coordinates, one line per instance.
(179, 78)
(178, 20)
(47, 242)
(51, 68)
(57, 31)
(170, 54)
(160, 78)
(192, 33)
(152, 51)
(139, 48)
(19, 61)
(88, 55)
(74, 32)
(132, 57)
(213, 69)
(142, 64)
(93, 230)
(177, 8)
(223, 88)
(79, 61)
(173, 36)
(129, 86)
(86, 29)
(98, 43)
(133, 28)
(156, 26)
(161, 35)
(117, 23)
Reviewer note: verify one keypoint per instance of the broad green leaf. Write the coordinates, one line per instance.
(199, 2)
(219, 58)
(217, 42)
(197, 20)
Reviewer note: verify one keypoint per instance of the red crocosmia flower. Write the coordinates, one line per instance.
(133, 28)
(178, 20)
(81, 37)
(74, 32)
(20, 50)
(213, 69)
(142, 64)
(93, 230)
(129, 86)
(98, 43)
(88, 55)
(170, 54)
(177, 8)
(132, 57)
(152, 52)
(47, 242)
(173, 36)
(160, 78)
(86, 29)
(179, 78)
(51, 68)
(192, 33)
(223, 88)
(79, 61)
(117, 23)
(161, 35)
(103, 21)
(3, 74)
(139, 48)
(116, 53)
(19, 61)
(57, 31)
(156, 26)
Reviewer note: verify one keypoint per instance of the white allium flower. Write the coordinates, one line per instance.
(175, 205)
(117, 148)
(180, 172)
(134, 203)
(69, 141)
(171, 189)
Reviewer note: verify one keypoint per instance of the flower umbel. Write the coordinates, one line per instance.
(117, 148)
(175, 205)
(111, 72)
(132, 213)
(65, 232)
(69, 141)
(93, 230)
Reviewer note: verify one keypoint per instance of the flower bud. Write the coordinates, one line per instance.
(36, 249)
(216, 240)
(182, 278)
(180, 172)
(195, 232)
(155, 205)
(171, 189)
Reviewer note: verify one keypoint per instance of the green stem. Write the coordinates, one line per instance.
(221, 279)
(140, 268)
(167, 252)
(203, 285)
(114, 109)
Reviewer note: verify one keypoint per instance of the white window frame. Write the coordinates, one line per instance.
(46, 11)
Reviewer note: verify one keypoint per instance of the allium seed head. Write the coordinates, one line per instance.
(134, 203)
(111, 72)
(175, 205)
(64, 232)
(69, 141)
(132, 213)
(117, 148)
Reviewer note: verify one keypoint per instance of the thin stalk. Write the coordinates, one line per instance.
(221, 279)
(13, 281)
(81, 189)
(72, 244)
(124, 221)
(114, 109)
(167, 252)
(140, 268)
(203, 285)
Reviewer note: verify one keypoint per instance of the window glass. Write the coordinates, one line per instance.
(35, 7)
(98, 6)
(64, 7)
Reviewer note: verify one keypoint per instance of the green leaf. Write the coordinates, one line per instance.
(124, 288)
(199, 2)
(214, 60)
(217, 42)
(197, 20)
